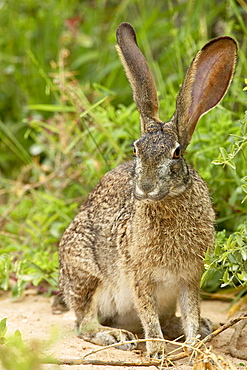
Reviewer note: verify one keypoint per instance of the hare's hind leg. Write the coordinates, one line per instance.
(173, 328)
(90, 329)
(84, 299)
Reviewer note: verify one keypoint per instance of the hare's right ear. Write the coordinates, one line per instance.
(139, 76)
(205, 84)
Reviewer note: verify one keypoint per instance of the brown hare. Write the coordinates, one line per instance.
(137, 245)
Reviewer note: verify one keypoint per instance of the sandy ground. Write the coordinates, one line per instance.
(32, 316)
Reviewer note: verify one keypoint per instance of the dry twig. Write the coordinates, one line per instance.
(82, 361)
(223, 328)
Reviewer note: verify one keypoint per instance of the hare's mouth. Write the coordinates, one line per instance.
(159, 193)
(149, 198)
(156, 194)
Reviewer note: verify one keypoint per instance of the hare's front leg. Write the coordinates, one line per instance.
(190, 311)
(146, 304)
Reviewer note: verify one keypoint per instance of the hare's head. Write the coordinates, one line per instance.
(159, 167)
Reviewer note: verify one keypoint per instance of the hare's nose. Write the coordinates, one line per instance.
(147, 187)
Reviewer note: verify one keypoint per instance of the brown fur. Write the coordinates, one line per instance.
(137, 245)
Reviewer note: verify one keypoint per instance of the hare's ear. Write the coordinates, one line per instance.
(139, 76)
(205, 84)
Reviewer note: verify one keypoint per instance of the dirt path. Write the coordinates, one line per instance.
(32, 316)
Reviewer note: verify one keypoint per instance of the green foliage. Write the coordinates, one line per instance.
(15, 354)
(224, 139)
(67, 117)
(227, 263)
(232, 160)
(18, 354)
(34, 35)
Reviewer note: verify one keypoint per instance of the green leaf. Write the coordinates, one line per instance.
(3, 328)
(244, 254)
(51, 108)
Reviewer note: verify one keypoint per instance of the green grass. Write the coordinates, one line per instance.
(67, 116)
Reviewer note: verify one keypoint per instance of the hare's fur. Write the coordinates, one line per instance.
(137, 245)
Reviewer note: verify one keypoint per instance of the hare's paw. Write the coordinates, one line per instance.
(116, 336)
(104, 336)
(174, 328)
(156, 349)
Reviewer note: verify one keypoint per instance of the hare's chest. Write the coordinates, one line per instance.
(167, 247)
(160, 231)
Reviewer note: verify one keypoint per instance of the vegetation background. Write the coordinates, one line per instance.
(67, 117)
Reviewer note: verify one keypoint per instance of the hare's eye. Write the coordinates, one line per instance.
(177, 153)
(134, 151)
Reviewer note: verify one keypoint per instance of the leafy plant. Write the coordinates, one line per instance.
(15, 354)
(18, 354)
(228, 260)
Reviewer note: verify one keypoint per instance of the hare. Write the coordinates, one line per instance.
(136, 247)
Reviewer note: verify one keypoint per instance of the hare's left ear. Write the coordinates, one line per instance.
(205, 84)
